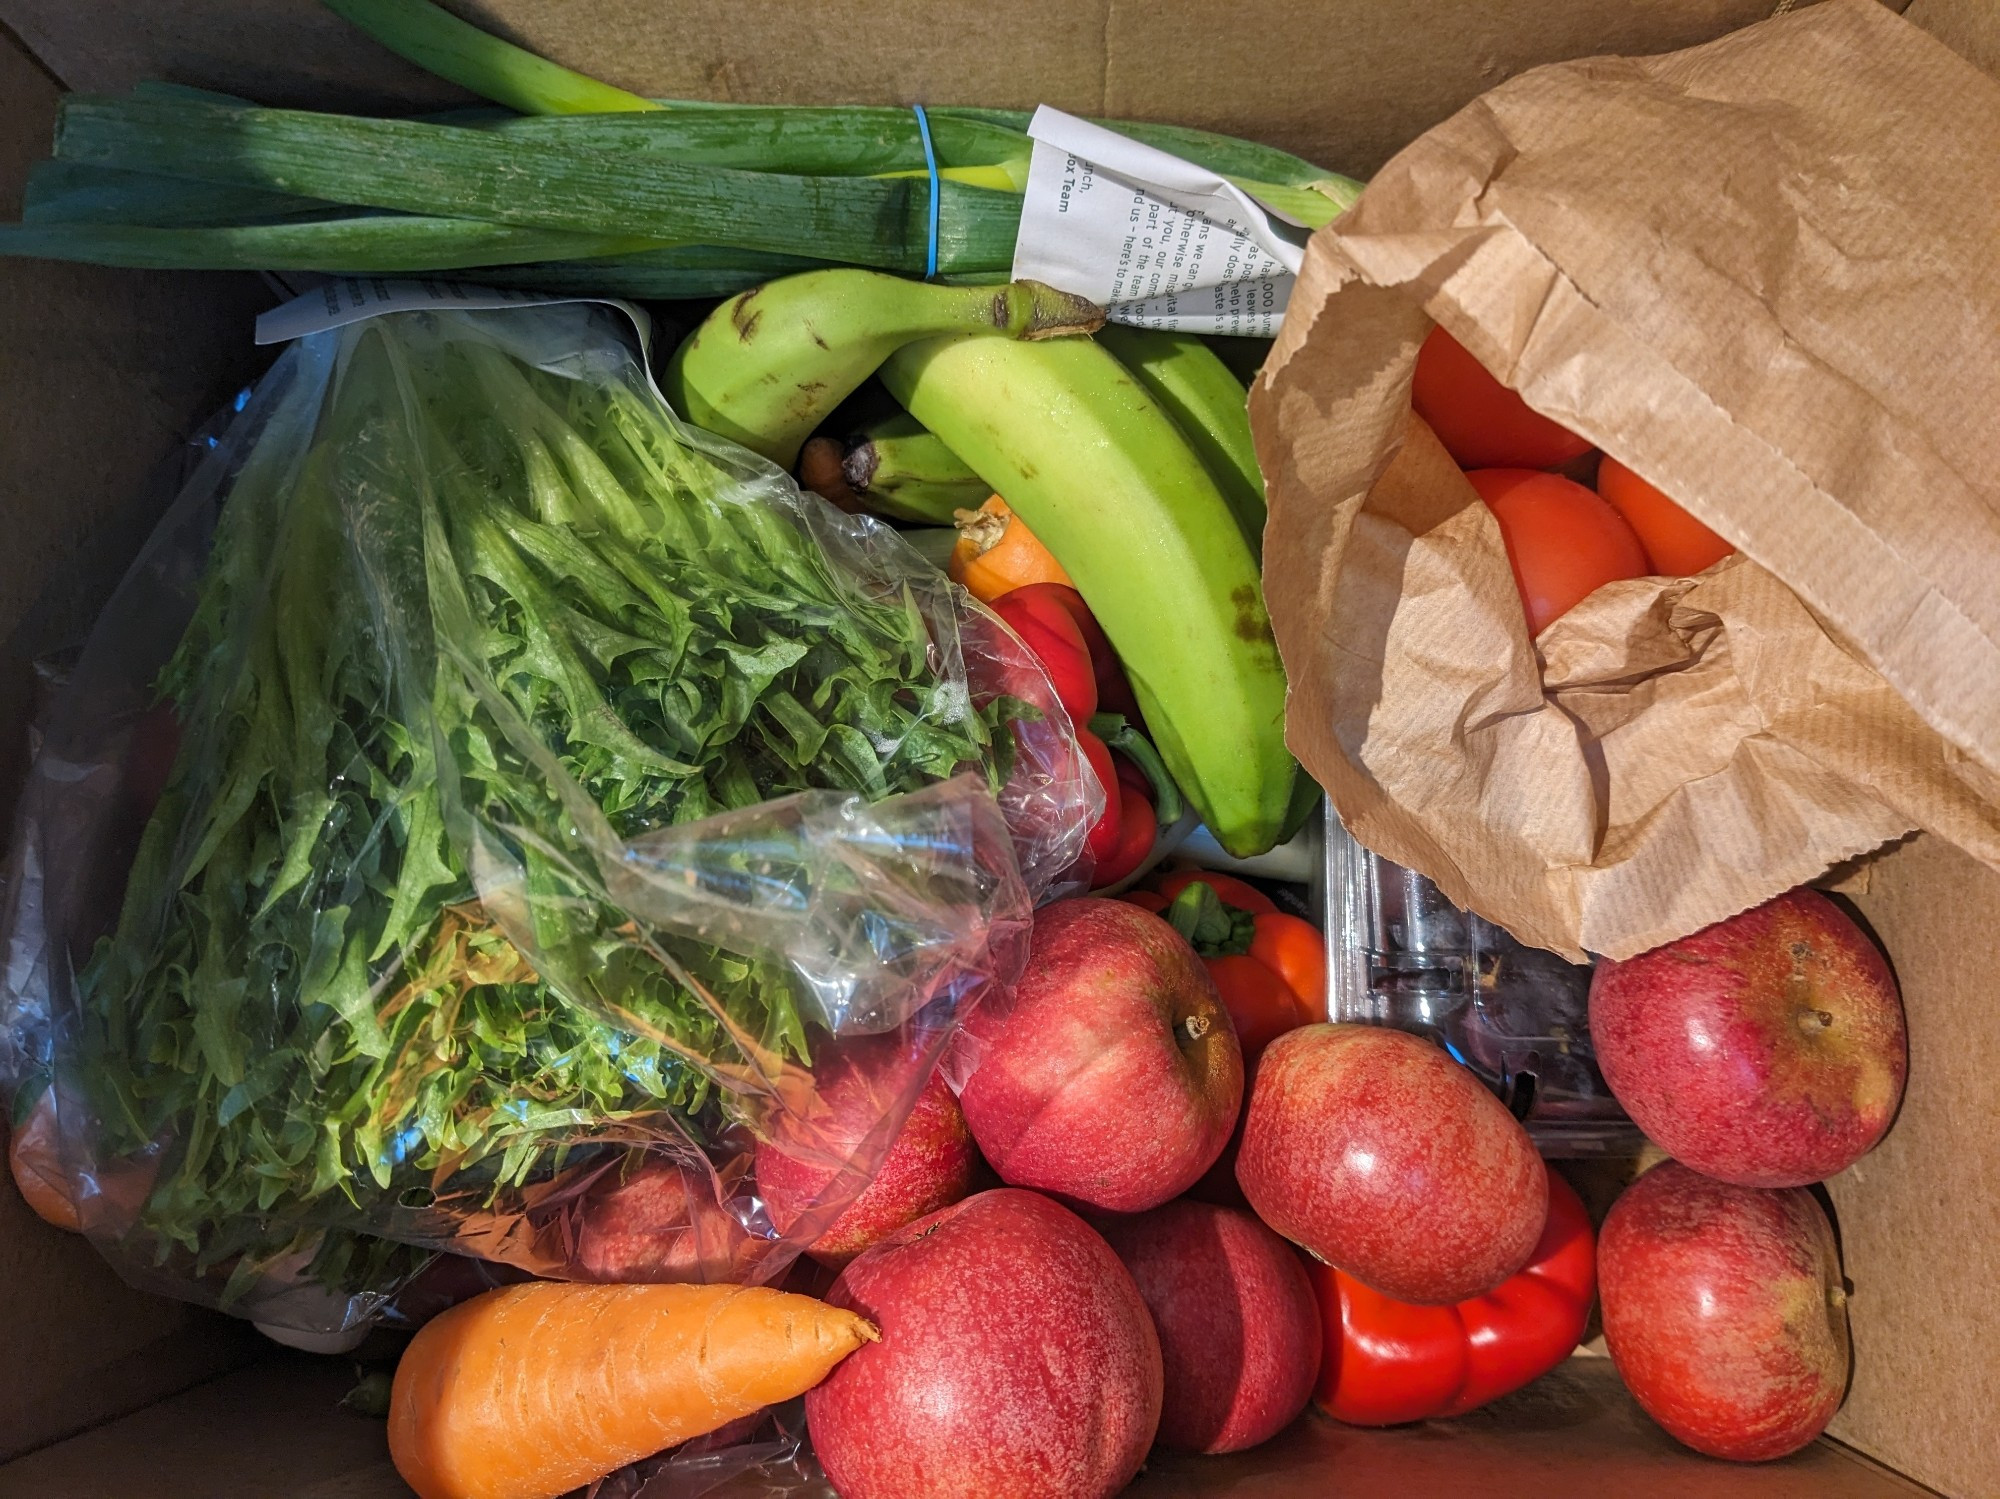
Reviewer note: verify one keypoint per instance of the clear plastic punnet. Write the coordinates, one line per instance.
(474, 818)
(1400, 954)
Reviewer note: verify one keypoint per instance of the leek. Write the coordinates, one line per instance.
(588, 189)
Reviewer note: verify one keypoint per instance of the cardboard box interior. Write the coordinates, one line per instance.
(107, 370)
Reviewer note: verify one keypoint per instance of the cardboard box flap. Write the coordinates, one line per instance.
(1759, 272)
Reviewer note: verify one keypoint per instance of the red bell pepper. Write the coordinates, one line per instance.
(1114, 690)
(1101, 844)
(1138, 827)
(1389, 1361)
(1050, 631)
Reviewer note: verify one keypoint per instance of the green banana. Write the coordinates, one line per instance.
(1198, 390)
(1074, 443)
(770, 364)
(898, 468)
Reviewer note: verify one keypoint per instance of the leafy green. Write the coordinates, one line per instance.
(496, 620)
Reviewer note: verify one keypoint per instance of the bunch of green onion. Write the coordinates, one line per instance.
(568, 185)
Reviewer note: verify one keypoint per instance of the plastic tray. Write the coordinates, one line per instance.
(1400, 954)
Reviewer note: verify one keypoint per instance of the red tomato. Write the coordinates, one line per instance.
(1482, 423)
(1677, 544)
(1563, 541)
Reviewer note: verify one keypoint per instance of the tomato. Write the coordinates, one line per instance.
(1677, 544)
(1482, 423)
(1563, 542)
(1261, 1005)
(1234, 892)
(1295, 950)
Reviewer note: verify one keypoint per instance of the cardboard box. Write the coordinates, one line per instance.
(109, 1392)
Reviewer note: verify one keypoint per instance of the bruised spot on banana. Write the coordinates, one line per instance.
(770, 364)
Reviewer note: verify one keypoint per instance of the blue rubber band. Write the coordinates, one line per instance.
(930, 164)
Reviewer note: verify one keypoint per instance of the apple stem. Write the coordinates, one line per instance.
(1815, 1019)
(1196, 1027)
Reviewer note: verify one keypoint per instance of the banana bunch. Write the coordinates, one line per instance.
(770, 364)
(1127, 454)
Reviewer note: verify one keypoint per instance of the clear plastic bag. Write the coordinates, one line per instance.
(519, 792)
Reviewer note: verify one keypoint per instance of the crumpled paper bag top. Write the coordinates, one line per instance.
(1762, 273)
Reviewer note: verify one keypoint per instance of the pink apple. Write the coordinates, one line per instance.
(1766, 1050)
(1113, 1077)
(1016, 1358)
(1238, 1322)
(1388, 1160)
(1725, 1312)
(927, 1166)
(658, 1222)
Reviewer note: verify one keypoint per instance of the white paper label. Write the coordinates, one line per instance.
(1155, 240)
(351, 299)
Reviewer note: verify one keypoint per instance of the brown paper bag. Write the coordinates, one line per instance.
(1765, 273)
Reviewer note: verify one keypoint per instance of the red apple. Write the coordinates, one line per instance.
(658, 1222)
(1016, 1358)
(1767, 1050)
(927, 1166)
(1238, 1322)
(1113, 1078)
(1725, 1311)
(1388, 1160)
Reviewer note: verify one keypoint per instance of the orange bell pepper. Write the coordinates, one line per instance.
(1247, 947)
(1389, 1361)
(1234, 892)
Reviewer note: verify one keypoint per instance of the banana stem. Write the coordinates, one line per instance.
(439, 42)
(1034, 311)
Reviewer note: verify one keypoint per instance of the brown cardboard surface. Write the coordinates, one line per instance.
(1919, 1219)
(102, 367)
(101, 373)
(1342, 83)
(1968, 27)
(275, 1430)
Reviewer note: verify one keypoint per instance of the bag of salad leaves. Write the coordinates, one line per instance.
(482, 811)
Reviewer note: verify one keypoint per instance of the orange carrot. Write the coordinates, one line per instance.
(532, 1390)
(997, 553)
(34, 1155)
